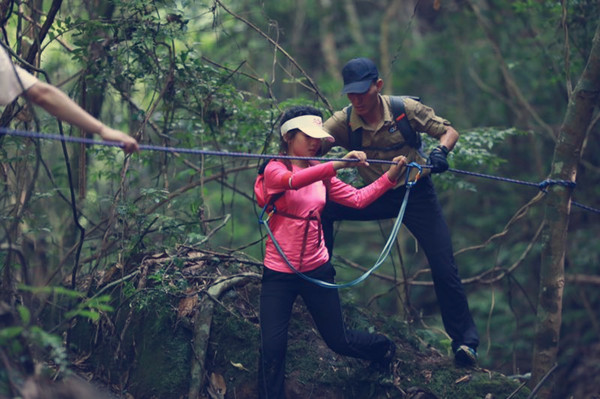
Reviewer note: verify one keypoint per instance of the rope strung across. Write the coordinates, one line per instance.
(147, 147)
(384, 253)
(541, 186)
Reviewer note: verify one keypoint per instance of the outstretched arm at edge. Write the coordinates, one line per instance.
(57, 103)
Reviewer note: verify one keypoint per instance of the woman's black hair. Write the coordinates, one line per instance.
(299, 110)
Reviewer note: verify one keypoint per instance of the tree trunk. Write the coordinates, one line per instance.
(567, 156)
(92, 92)
(202, 325)
(399, 28)
(328, 47)
(385, 62)
(353, 23)
(298, 28)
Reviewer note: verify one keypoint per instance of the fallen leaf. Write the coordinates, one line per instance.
(427, 374)
(238, 366)
(465, 378)
(187, 304)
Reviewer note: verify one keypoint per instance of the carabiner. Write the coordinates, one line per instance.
(269, 214)
(417, 176)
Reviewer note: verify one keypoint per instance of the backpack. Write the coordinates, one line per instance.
(260, 190)
(411, 137)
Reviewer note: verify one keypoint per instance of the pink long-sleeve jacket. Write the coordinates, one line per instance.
(296, 223)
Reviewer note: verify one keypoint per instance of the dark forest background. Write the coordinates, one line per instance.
(215, 75)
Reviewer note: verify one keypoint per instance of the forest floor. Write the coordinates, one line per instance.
(171, 336)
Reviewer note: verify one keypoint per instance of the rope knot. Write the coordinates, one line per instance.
(550, 182)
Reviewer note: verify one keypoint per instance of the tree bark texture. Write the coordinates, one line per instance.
(328, 46)
(353, 23)
(567, 156)
(388, 26)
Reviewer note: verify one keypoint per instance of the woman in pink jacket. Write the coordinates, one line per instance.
(296, 226)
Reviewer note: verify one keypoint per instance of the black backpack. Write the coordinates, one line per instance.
(411, 137)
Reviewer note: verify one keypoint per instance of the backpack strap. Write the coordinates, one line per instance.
(411, 137)
(270, 205)
(354, 136)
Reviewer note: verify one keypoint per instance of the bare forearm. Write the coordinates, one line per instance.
(449, 138)
(57, 103)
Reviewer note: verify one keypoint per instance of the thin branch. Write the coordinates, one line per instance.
(49, 20)
(567, 50)
(542, 381)
(583, 279)
(196, 183)
(60, 41)
(518, 215)
(498, 273)
(213, 231)
(282, 50)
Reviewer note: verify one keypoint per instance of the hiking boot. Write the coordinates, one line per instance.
(465, 356)
(384, 363)
(389, 355)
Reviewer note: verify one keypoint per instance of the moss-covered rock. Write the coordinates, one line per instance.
(142, 349)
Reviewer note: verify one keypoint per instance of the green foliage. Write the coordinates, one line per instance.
(23, 337)
(189, 74)
(8, 335)
(91, 308)
(474, 152)
(51, 343)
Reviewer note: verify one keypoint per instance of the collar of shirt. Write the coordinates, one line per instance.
(356, 122)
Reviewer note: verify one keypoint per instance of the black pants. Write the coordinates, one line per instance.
(424, 218)
(278, 293)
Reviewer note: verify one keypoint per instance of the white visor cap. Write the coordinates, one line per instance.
(311, 125)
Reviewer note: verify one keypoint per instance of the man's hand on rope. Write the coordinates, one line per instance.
(438, 159)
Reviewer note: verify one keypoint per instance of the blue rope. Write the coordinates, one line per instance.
(84, 140)
(541, 186)
(384, 253)
(587, 208)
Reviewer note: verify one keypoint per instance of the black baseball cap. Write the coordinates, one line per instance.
(358, 75)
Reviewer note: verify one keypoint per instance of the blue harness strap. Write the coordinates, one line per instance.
(384, 253)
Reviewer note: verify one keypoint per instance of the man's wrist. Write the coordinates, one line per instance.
(444, 149)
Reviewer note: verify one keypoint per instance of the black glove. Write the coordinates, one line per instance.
(437, 159)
